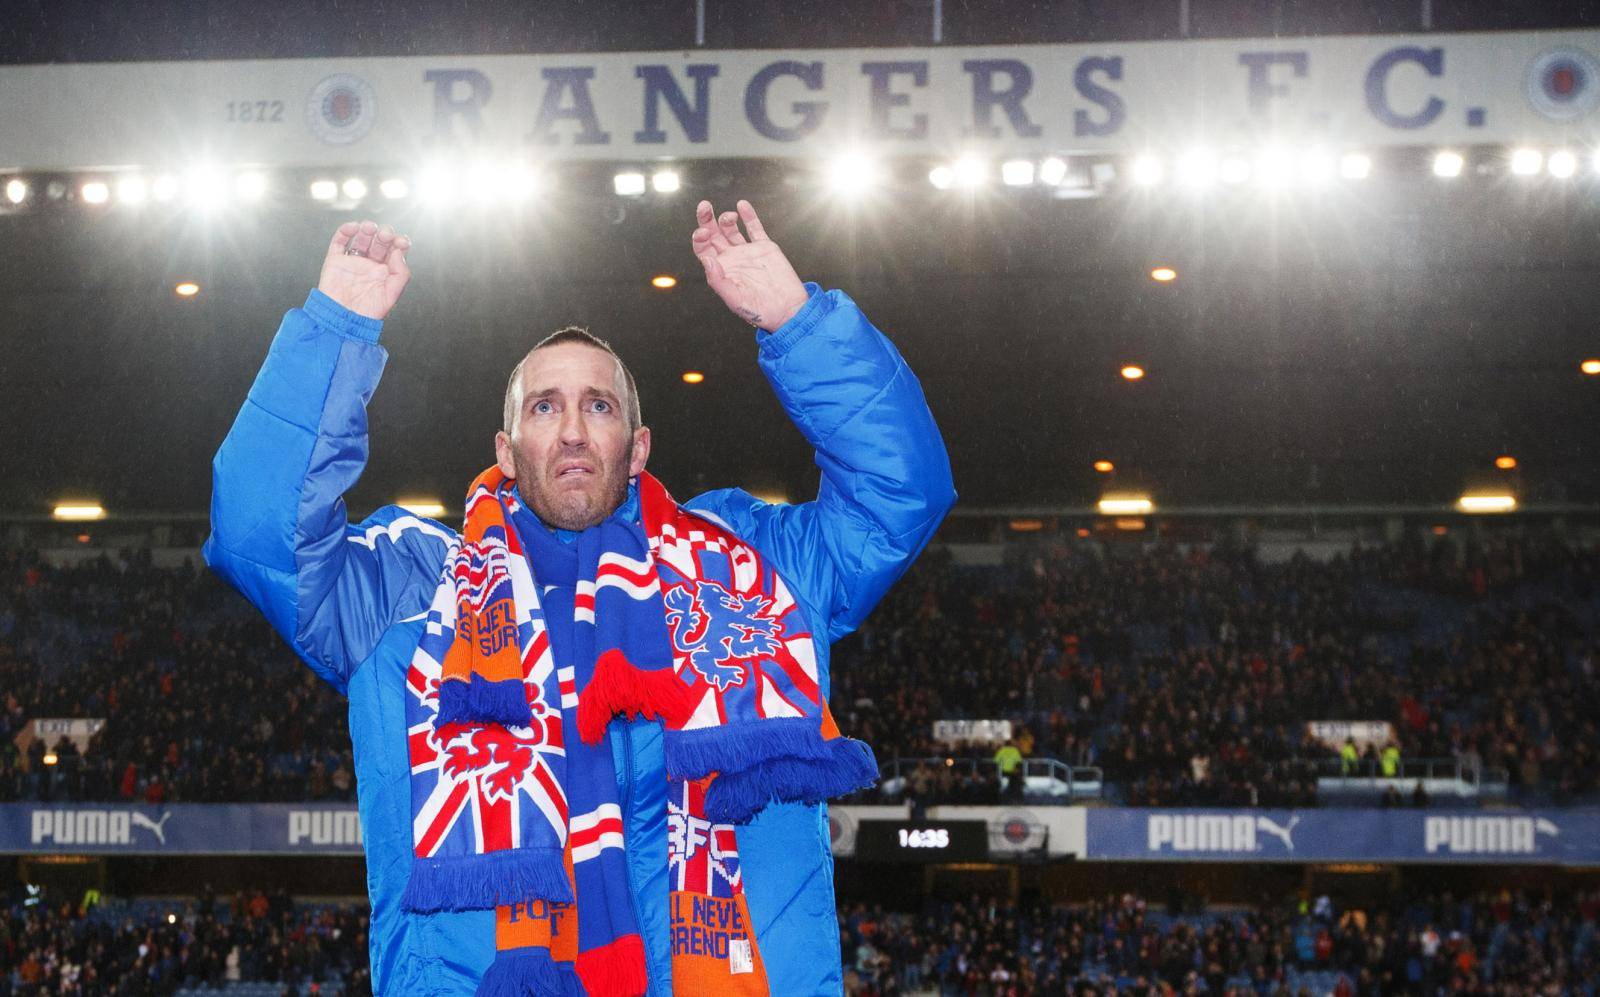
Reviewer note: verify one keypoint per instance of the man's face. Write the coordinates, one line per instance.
(571, 452)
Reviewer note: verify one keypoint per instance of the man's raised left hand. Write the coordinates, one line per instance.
(751, 275)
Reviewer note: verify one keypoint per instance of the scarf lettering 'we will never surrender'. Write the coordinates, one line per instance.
(514, 793)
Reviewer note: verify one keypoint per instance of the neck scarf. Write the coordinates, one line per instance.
(514, 795)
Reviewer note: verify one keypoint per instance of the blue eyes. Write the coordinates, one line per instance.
(599, 405)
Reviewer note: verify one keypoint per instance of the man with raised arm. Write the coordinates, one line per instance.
(590, 728)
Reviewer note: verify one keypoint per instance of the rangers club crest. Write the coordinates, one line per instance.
(1563, 84)
(341, 109)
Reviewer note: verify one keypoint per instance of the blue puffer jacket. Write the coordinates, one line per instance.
(351, 599)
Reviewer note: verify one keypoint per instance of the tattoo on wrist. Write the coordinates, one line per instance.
(749, 316)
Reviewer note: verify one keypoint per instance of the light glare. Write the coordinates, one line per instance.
(628, 184)
(1448, 164)
(663, 281)
(186, 289)
(665, 181)
(693, 377)
(1197, 168)
(1053, 170)
(16, 191)
(132, 190)
(1124, 505)
(430, 508)
(354, 189)
(1146, 170)
(1562, 164)
(79, 511)
(324, 190)
(1482, 502)
(1017, 172)
(205, 188)
(942, 177)
(1234, 169)
(1355, 166)
(1133, 372)
(851, 173)
(970, 171)
(394, 189)
(95, 192)
(1527, 162)
(164, 189)
(1163, 274)
(250, 186)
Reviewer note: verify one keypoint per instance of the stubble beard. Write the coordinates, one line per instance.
(573, 510)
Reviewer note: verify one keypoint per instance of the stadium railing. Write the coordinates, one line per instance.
(1045, 780)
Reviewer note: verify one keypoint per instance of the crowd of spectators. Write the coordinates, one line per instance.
(202, 701)
(1187, 675)
(157, 948)
(1500, 943)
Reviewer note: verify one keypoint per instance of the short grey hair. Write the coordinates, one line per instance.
(570, 334)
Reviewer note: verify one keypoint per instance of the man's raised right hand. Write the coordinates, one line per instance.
(365, 269)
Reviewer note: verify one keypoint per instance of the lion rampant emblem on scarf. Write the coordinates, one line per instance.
(720, 632)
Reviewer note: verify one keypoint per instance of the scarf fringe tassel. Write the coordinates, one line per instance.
(614, 970)
(528, 973)
(695, 754)
(619, 686)
(476, 882)
(736, 797)
(480, 701)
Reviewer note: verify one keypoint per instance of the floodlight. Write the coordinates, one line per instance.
(970, 171)
(1479, 502)
(628, 184)
(1448, 164)
(1123, 505)
(1197, 168)
(1053, 170)
(1355, 166)
(132, 190)
(1146, 170)
(250, 186)
(95, 192)
(665, 181)
(1017, 172)
(1233, 169)
(1527, 162)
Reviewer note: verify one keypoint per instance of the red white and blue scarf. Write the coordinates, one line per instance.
(514, 796)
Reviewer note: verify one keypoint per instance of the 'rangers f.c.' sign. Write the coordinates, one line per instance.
(1538, 87)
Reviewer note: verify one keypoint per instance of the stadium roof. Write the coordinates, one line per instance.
(1373, 343)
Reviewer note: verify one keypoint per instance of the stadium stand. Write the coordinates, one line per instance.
(1427, 943)
(256, 945)
(1186, 676)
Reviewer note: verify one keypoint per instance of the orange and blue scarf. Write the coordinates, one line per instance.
(514, 796)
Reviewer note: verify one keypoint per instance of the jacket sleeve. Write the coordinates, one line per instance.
(279, 532)
(886, 481)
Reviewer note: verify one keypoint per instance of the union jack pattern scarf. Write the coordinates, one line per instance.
(514, 795)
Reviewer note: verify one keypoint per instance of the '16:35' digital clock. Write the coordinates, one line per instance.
(922, 841)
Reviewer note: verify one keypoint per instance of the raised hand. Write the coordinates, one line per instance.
(365, 269)
(751, 276)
